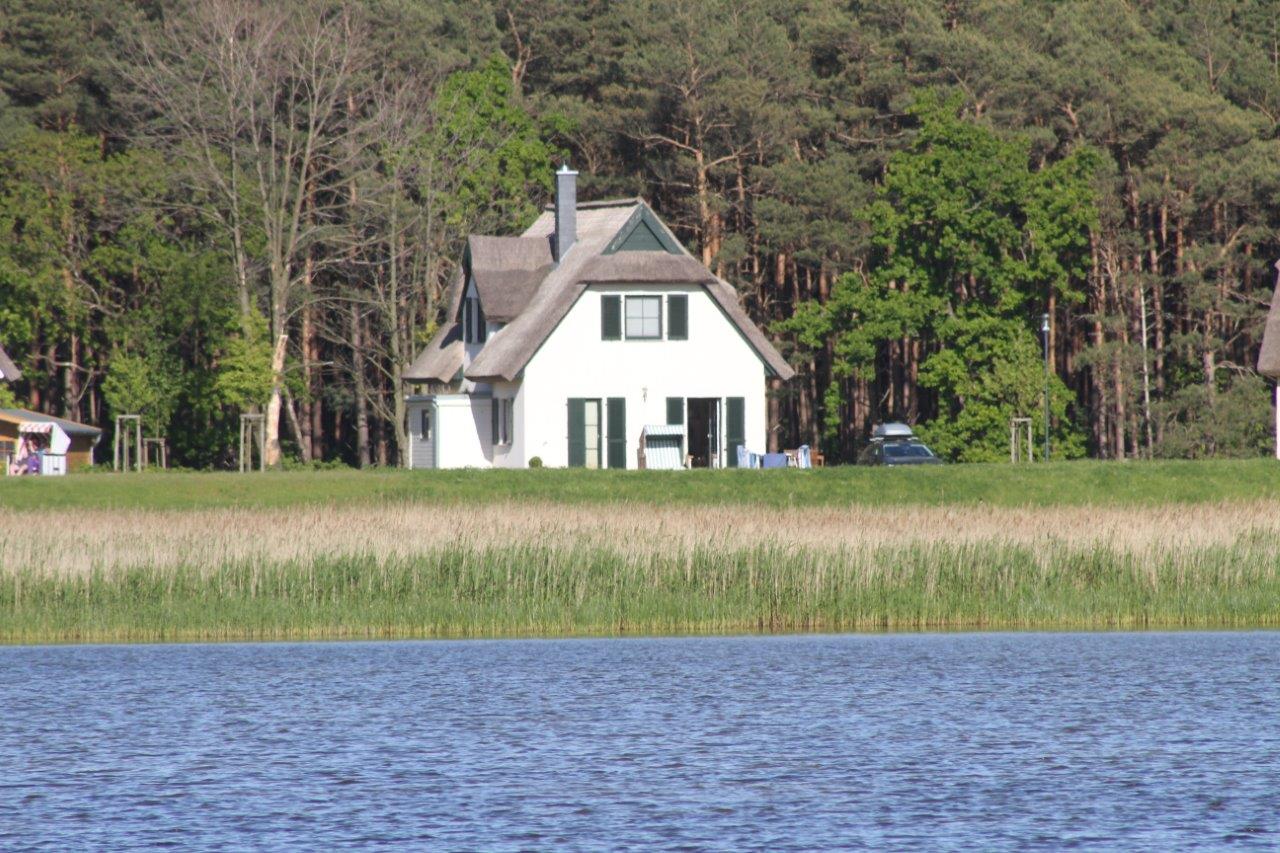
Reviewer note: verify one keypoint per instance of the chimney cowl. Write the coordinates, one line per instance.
(566, 210)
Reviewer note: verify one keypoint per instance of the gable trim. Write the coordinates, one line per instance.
(648, 220)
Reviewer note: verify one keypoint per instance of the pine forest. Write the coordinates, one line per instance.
(227, 206)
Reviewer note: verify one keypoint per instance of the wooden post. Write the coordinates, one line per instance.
(120, 450)
(253, 426)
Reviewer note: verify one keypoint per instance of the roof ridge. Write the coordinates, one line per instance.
(606, 202)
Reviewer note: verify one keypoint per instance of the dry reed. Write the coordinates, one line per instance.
(546, 568)
(105, 540)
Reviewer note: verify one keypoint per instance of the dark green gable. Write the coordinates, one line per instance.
(642, 233)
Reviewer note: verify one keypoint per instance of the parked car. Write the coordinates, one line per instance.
(895, 444)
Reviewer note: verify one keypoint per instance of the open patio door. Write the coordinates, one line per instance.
(703, 423)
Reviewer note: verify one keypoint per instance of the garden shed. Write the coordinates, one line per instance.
(56, 445)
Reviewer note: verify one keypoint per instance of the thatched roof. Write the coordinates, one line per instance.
(518, 284)
(506, 354)
(507, 271)
(9, 371)
(441, 359)
(644, 268)
(1269, 357)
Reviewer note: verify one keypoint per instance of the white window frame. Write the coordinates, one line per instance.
(641, 300)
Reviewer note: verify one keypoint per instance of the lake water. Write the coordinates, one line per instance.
(991, 741)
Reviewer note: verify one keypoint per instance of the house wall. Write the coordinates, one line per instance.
(511, 455)
(574, 362)
(463, 431)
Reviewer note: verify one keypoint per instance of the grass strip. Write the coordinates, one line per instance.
(1083, 483)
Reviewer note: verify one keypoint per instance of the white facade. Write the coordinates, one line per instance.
(714, 363)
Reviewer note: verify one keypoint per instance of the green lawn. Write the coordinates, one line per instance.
(1057, 484)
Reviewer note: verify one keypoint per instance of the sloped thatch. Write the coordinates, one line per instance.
(507, 272)
(441, 359)
(506, 354)
(1269, 357)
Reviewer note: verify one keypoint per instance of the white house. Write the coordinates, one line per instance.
(579, 340)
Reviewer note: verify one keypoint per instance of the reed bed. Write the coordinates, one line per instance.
(539, 569)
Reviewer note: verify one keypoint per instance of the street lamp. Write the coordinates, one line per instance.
(1044, 329)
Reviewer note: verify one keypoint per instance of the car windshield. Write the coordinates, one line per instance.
(907, 451)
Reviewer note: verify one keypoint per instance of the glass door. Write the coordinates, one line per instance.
(591, 432)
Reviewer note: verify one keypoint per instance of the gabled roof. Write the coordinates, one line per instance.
(69, 427)
(9, 371)
(610, 248)
(1269, 357)
(507, 272)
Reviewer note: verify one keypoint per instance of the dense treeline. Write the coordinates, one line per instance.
(215, 207)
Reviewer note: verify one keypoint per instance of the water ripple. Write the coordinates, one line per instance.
(998, 741)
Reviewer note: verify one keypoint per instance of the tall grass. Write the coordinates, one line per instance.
(542, 569)
(531, 590)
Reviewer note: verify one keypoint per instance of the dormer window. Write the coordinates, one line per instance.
(474, 328)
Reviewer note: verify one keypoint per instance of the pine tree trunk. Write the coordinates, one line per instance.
(362, 400)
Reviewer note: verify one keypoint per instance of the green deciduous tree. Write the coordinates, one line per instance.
(970, 246)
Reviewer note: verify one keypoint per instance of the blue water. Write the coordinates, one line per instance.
(995, 741)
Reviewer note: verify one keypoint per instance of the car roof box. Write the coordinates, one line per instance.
(895, 429)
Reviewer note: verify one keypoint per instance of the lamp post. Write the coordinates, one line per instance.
(1044, 330)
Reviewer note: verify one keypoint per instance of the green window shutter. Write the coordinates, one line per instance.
(610, 318)
(735, 427)
(677, 317)
(617, 432)
(577, 433)
(494, 408)
(482, 330)
(675, 410)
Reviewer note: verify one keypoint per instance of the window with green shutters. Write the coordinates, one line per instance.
(617, 457)
(735, 427)
(678, 317)
(644, 318)
(610, 318)
(675, 411)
